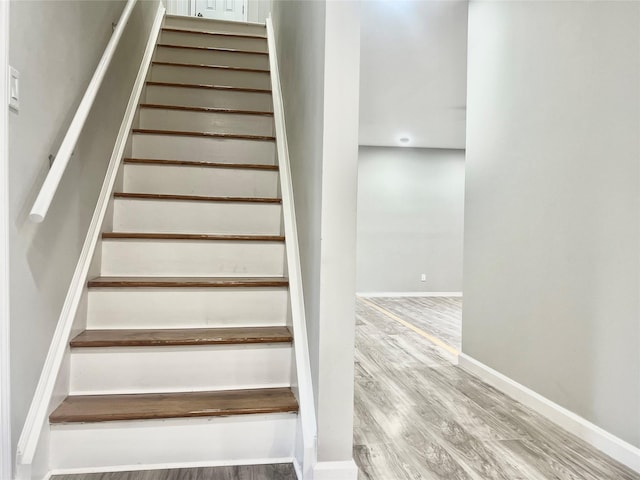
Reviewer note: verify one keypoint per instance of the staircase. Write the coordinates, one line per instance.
(187, 356)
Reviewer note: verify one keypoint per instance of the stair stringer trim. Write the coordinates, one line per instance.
(305, 454)
(32, 453)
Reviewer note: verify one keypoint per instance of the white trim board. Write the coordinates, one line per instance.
(306, 444)
(347, 470)
(6, 458)
(596, 436)
(408, 294)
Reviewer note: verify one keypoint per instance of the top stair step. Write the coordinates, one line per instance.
(148, 406)
(197, 38)
(215, 26)
(212, 33)
(213, 49)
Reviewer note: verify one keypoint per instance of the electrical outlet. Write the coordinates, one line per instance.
(423, 277)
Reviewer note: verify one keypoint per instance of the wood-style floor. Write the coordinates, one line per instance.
(420, 417)
(248, 472)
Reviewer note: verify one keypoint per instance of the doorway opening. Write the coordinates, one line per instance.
(410, 229)
(253, 11)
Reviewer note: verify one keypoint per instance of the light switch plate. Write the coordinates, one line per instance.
(14, 89)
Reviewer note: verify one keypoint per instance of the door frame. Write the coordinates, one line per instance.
(6, 460)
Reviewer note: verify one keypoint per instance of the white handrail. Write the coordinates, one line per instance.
(50, 185)
(300, 343)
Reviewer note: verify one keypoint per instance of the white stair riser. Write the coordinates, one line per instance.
(117, 308)
(205, 97)
(176, 147)
(208, 181)
(179, 369)
(185, 120)
(212, 57)
(215, 26)
(210, 76)
(178, 216)
(207, 441)
(174, 258)
(220, 41)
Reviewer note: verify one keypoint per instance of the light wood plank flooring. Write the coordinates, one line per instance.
(420, 417)
(248, 472)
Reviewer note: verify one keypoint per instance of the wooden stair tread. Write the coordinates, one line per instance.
(183, 336)
(104, 408)
(204, 65)
(204, 109)
(197, 163)
(201, 32)
(231, 136)
(213, 21)
(213, 49)
(211, 87)
(195, 198)
(192, 236)
(187, 282)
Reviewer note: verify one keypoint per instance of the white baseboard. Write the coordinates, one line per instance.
(408, 294)
(599, 438)
(298, 468)
(347, 470)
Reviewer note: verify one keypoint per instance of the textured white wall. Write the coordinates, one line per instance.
(318, 50)
(551, 255)
(410, 219)
(56, 47)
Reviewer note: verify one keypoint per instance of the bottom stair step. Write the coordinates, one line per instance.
(181, 336)
(105, 408)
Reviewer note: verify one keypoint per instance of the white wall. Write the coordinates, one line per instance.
(318, 49)
(6, 457)
(413, 73)
(258, 10)
(56, 47)
(552, 206)
(410, 219)
(300, 36)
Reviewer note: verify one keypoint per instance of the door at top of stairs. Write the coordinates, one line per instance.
(234, 10)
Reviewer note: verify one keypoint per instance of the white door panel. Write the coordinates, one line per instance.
(234, 10)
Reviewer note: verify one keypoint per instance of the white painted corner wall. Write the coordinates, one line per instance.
(6, 458)
(319, 46)
(338, 232)
(552, 203)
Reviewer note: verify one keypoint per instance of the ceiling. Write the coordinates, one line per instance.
(413, 72)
